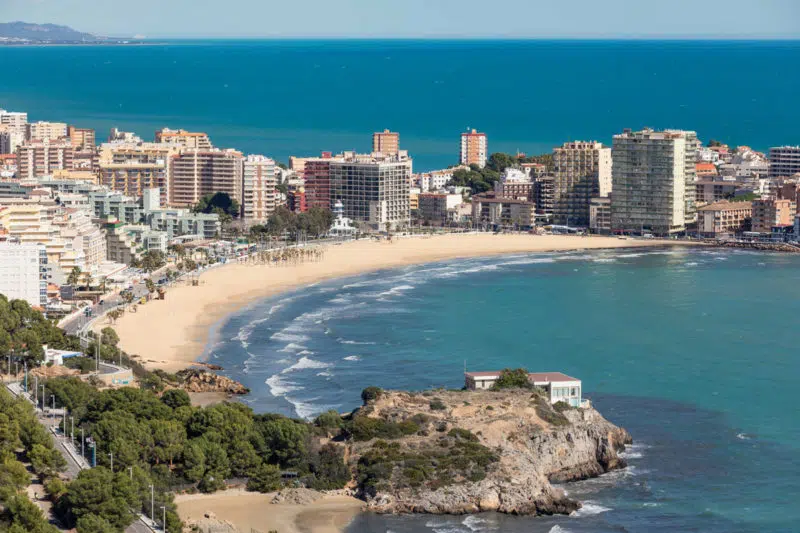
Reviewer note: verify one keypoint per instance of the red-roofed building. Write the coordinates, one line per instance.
(705, 170)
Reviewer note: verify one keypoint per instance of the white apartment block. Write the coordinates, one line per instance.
(649, 182)
(13, 119)
(46, 131)
(693, 146)
(581, 171)
(374, 189)
(436, 179)
(259, 197)
(23, 272)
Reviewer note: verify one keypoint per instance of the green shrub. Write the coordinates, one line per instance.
(437, 405)
(370, 394)
(512, 379)
(546, 412)
(562, 406)
(267, 478)
(365, 428)
(463, 434)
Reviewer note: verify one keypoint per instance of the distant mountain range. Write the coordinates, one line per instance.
(30, 33)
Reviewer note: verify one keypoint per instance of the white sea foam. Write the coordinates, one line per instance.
(529, 261)
(743, 436)
(325, 374)
(394, 291)
(558, 529)
(345, 341)
(279, 387)
(352, 358)
(590, 508)
(476, 523)
(603, 260)
(691, 264)
(292, 347)
(287, 336)
(304, 363)
(631, 455)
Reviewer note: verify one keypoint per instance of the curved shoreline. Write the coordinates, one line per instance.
(173, 333)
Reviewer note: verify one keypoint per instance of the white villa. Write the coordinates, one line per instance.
(559, 387)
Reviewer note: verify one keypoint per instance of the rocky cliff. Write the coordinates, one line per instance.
(199, 380)
(460, 452)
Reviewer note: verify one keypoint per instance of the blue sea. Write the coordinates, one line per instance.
(285, 98)
(693, 351)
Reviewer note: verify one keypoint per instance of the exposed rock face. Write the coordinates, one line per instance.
(297, 496)
(197, 380)
(530, 444)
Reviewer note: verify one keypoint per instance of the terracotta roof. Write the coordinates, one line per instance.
(725, 205)
(536, 377)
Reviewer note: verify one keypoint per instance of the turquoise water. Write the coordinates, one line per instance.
(693, 351)
(300, 97)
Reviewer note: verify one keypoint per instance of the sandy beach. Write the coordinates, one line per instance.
(253, 511)
(171, 334)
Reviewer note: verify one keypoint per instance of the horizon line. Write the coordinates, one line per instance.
(654, 38)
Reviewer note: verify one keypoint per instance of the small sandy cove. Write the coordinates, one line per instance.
(171, 334)
(251, 511)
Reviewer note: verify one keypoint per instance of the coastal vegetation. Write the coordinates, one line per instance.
(23, 331)
(483, 179)
(314, 222)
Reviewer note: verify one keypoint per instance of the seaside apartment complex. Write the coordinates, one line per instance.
(386, 142)
(184, 139)
(46, 131)
(195, 173)
(373, 189)
(581, 171)
(23, 272)
(784, 161)
(259, 198)
(37, 158)
(473, 148)
(649, 182)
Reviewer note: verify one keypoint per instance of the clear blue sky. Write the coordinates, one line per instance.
(419, 18)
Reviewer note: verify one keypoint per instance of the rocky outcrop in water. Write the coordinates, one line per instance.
(198, 380)
(465, 452)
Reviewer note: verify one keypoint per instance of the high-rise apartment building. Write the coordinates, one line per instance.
(691, 152)
(581, 171)
(386, 142)
(259, 197)
(23, 272)
(82, 138)
(184, 139)
(473, 148)
(195, 173)
(46, 131)
(649, 182)
(130, 167)
(10, 138)
(374, 189)
(42, 157)
(784, 161)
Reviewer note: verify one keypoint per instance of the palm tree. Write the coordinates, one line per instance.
(74, 276)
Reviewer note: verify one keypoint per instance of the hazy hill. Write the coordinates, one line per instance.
(26, 31)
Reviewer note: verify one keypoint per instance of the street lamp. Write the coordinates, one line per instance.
(164, 517)
(152, 504)
(111, 454)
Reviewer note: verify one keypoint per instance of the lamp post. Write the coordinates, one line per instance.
(152, 504)
(130, 469)
(164, 517)
(83, 455)
(72, 430)
(111, 454)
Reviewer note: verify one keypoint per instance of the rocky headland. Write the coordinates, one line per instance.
(200, 380)
(456, 452)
